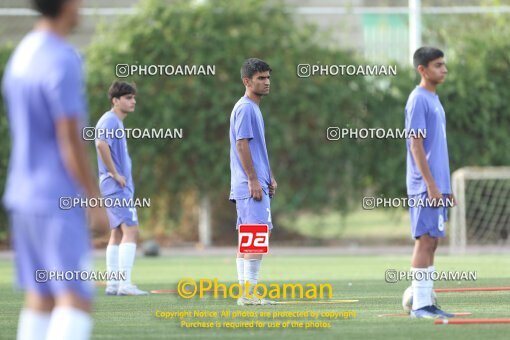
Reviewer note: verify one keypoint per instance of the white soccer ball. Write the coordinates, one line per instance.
(407, 299)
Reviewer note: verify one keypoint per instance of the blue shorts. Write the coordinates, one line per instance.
(119, 215)
(57, 241)
(428, 220)
(250, 211)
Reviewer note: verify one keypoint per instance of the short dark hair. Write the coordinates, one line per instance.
(121, 88)
(252, 66)
(424, 55)
(49, 8)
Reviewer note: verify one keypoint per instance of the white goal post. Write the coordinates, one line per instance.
(482, 214)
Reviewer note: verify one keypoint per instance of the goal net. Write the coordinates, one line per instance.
(482, 214)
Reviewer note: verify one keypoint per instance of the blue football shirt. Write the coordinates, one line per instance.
(110, 127)
(42, 84)
(246, 122)
(424, 111)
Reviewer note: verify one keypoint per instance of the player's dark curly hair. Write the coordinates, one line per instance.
(424, 55)
(252, 66)
(121, 88)
(48, 8)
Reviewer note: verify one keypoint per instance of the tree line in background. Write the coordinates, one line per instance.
(184, 175)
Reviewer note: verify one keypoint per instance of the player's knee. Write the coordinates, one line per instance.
(39, 302)
(426, 244)
(431, 247)
(115, 236)
(129, 232)
(71, 299)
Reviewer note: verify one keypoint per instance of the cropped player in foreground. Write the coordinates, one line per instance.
(428, 176)
(44, 94)
(116, 182)
(252, 185)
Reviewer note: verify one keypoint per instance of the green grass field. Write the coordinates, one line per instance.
(352, 277)
(358, 225)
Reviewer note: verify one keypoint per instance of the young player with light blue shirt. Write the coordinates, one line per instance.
(116, 181)
(428, 177)
(252, 185)
(45, 100)
(248, 123)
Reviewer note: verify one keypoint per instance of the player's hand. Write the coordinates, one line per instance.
(272, 187)
(119, 179)
(435, 196)
(452, 198)
(98, 220)
(255, 189)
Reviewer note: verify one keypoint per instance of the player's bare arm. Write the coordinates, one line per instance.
(272, 187)
(254, 187)
(452, 197)
(106, 157)
(76, 160)
(418, 153)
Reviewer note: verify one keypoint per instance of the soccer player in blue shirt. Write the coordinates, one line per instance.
(428, 176)
(44, 95)
(252, 184)
(116, 182)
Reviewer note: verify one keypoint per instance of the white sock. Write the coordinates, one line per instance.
(32, 325)
(251, 271)
(112, 263)
(68, 323)
(421, 292)
(240, 270)
(127, 252)
(430, 282)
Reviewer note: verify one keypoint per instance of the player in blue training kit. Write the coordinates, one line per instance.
(44, 95)
(252, 185)
(116, 182)
(428, 177)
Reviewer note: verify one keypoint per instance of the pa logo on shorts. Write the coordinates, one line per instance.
(253, 238)
(440, 222)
